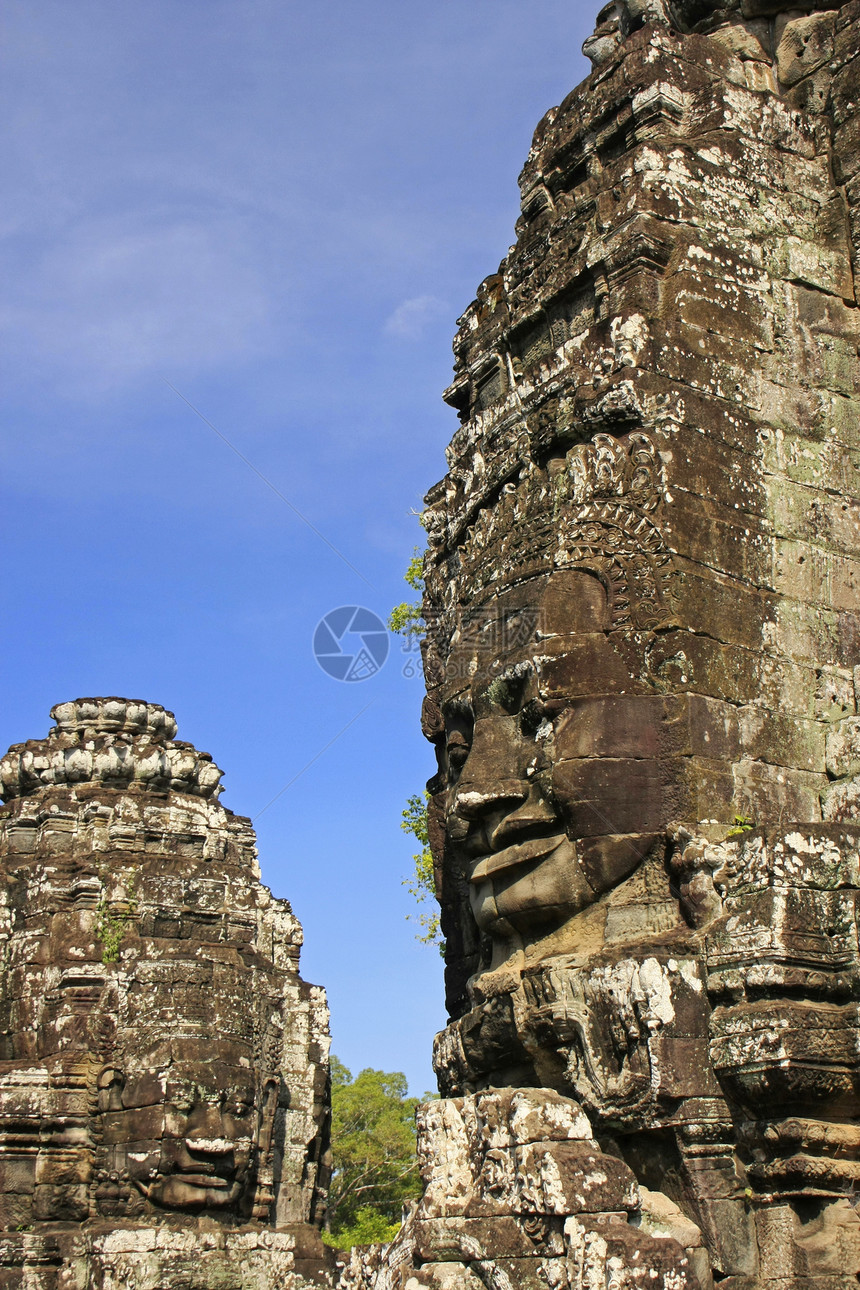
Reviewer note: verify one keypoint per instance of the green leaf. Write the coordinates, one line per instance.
(405, 619)
(421, 883)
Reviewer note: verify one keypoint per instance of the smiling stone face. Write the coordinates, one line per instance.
(188, 1137)
(539, 825)
(150, 1002)
(639, 611)
(642, 665)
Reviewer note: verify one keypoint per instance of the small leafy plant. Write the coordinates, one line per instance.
(405, 618)
(111, 927)
(743, 824)
(420, 883)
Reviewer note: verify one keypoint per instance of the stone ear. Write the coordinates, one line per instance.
(110, 1085)
(269, 1102)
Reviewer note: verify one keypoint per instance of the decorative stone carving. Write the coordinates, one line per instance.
(163, 1067)
(112, 742)
(643, 609)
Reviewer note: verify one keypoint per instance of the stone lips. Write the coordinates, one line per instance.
(120, 743)
(152, 1012)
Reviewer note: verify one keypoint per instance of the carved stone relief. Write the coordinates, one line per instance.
(643, 609)
(162, 1064)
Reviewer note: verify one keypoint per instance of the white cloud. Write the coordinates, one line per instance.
(410, 319)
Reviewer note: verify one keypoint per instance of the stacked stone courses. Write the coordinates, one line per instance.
(163, 1067)
(643, 609)
(684, 270)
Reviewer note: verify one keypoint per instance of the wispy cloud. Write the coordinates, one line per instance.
(410, 319)
(117, 298)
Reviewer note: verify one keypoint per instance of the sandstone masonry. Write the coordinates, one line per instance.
(163, 1066)
(643, 610)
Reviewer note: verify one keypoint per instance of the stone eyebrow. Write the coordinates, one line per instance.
(517, 672)
(458, 708)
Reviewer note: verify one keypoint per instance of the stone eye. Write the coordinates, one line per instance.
(532, 717)
(457, 749)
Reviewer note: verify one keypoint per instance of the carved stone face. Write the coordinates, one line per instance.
(548, 801)
(683, 697)
(181, 1123)
(151, 1024)
(790, 35)
(185, 1137)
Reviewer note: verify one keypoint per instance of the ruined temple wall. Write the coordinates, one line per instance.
(846, 116)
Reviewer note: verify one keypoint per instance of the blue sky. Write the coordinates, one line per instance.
(279, 210)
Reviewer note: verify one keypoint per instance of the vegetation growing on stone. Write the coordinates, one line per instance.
(112, 922)
(420, 882)
(405, 619)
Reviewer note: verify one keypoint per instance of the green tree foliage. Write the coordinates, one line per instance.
(420, 882)
(373, 1152)
(405, 618)
(369, 1228)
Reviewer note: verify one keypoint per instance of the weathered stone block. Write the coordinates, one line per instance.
(843, 748)
(457, 1239)
(440, 1276)
(841, 802)
(566, 668)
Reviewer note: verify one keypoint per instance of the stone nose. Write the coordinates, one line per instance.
(473, 802)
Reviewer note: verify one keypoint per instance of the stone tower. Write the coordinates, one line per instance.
(163, 1066)
(643, 670)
